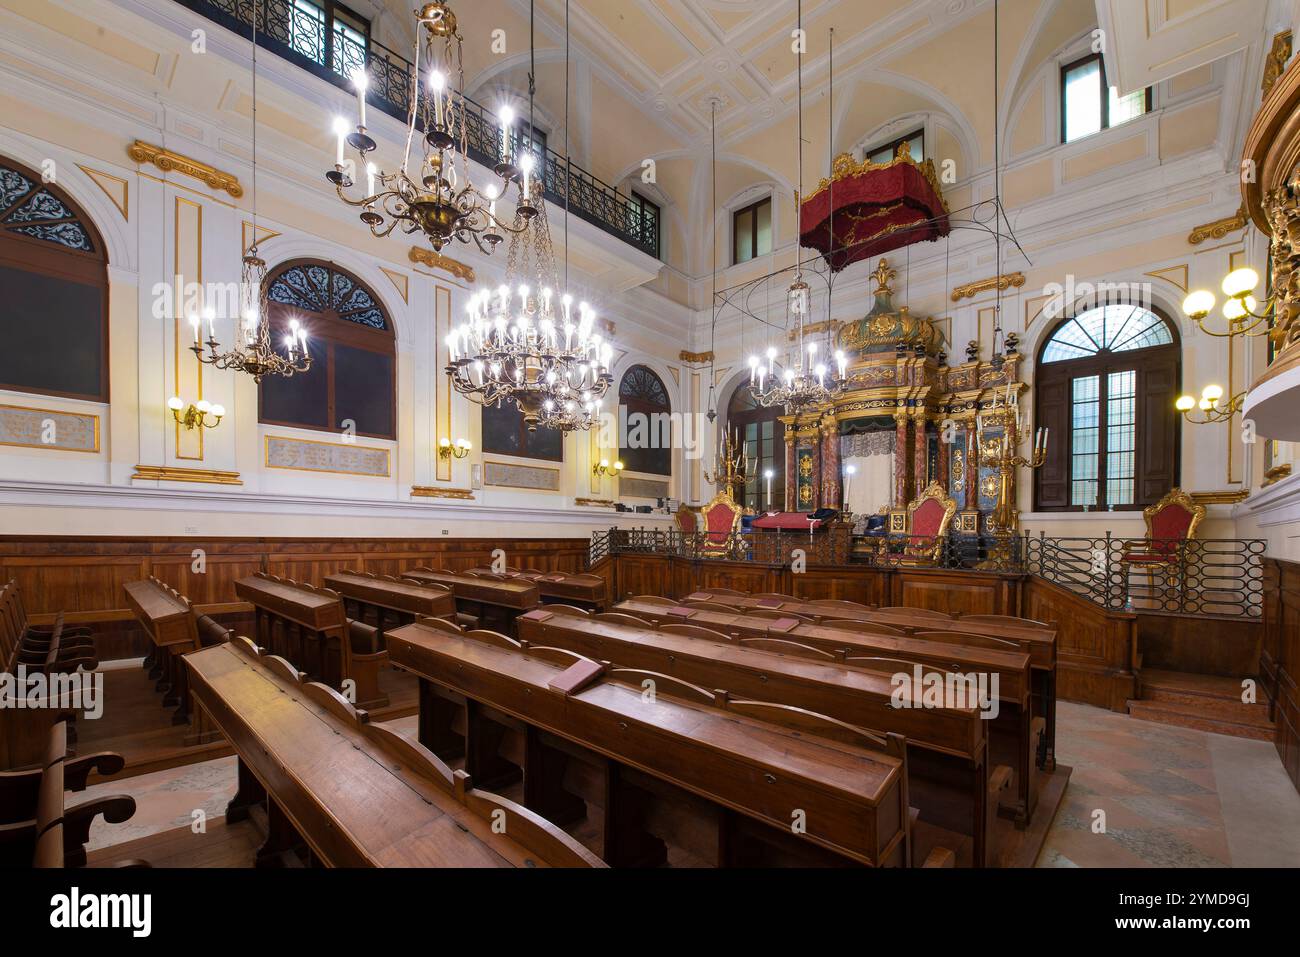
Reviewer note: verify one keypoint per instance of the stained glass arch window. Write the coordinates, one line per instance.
(353, 377)
(54, 270)
(1118, 327)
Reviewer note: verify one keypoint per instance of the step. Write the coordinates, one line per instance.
(1215, 695)
(1196, 717)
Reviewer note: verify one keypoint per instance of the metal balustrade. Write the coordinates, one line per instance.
(297, 30)
(1205, 577)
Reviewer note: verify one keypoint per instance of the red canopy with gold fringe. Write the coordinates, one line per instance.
(877, 207)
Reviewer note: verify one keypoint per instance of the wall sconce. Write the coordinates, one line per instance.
(195, 415)
(604, 468)
(1238, 309)
(458, 450)
(1209, 405)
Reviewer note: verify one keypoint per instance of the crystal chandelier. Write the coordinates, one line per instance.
(525, 344)
(253, 352)
(800, 381)
(515, 346)
(433, 194)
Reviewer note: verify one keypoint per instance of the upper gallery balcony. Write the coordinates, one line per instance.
(324, 40)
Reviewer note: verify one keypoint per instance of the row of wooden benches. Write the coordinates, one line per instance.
(37, 826)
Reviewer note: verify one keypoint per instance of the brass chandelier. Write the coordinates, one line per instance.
(801, 380)
(433, 193)
(524, 343)
(253, 352)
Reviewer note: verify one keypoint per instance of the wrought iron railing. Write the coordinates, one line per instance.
(1207, 577)
(298, 31)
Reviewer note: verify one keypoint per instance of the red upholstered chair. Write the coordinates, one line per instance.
(1170, 521)
(928, 518)
(686, 520)
(721, 519)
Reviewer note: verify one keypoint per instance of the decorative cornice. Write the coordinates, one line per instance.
(695, 358)
(1219, 228)
(168, 162)
(1276, 474)
(1276, 61)
(1225, 497)
(433, 491)
(168, 473)
(1004, 282)
(427, 257)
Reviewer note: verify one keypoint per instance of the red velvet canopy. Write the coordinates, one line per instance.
(877, 207)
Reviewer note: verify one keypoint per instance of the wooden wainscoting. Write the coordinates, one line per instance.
(1280, 659)
(1095, 647)
(83, 577)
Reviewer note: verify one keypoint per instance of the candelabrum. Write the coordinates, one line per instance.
(736, 465)
(447, 449)
(253, 350)
(1002, 453)
(195, 415)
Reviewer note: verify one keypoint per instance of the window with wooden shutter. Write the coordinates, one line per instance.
(1106, 383)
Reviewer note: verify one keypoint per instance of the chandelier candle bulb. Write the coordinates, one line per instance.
(360, 81)
(340, 133)
(437, 82)
(370, 179)
(507, 118)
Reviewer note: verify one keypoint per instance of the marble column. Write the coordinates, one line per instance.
(791, 470)
(832, 483)
(902, 462)
(941, 470)
(921, 452)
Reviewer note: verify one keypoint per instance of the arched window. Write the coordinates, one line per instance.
(763, 435)
(647, 438)
(352, 377)
(54, 270)
(1106, 384)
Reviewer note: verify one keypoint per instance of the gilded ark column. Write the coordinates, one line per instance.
(972, 466)
(902, 461)
(832, 485)
(815, 449)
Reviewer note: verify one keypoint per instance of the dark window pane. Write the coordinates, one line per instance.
(363, 390)
(53, 334)
(303, 399)
(505, 434)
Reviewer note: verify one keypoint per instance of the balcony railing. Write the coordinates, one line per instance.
(1202, 577)
(300, 31)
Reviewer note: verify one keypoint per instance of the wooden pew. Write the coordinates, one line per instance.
(584, 591)
(485, 602)
(174, 628)
(351, 793)
(375, 600)
(1038, 638)
(25, 650)
(57, 650)
(1014, 732)
(946, 744)
(309, 626)
(754, 773)
(37, 828)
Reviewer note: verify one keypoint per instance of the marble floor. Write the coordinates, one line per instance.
(1141, 795)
